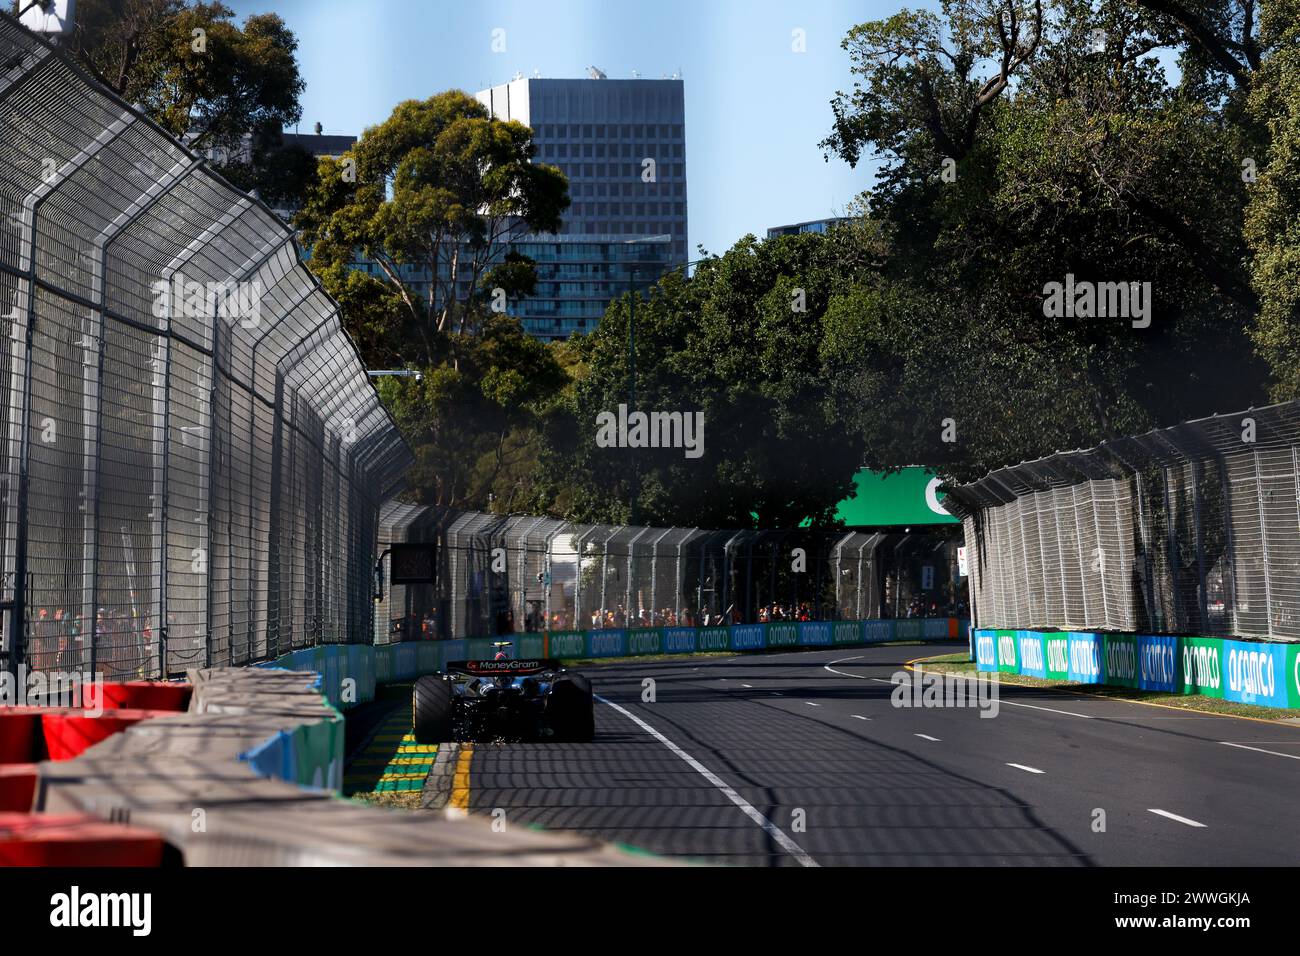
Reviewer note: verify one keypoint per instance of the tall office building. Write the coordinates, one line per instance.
(813, 225)
(622, 144)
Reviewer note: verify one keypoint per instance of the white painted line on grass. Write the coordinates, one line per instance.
(1260, 750)
(772, 830)
(1174, 816)
(927, 737)
(1020, 766)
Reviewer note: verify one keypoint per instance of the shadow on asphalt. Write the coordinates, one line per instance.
(844, 797)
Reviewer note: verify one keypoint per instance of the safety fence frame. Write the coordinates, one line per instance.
(183, 483)
(504, 574)
(1192, 529)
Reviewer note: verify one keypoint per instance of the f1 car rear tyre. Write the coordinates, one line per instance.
(571, 709)
(431, 703)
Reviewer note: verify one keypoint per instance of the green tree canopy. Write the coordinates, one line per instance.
(205, 80)
(435, 191)
(1022, 142)
(740, 343)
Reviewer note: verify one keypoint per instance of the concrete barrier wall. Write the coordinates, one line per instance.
(1249, 672)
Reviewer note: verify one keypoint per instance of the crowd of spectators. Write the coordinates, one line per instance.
(424, 626)
(123, 641)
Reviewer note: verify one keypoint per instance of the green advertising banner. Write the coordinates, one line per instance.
(847, 632)
(1200, 666)
(714, 639)
(567, 644)
(908, 629)
(645, 641)
(1293, 676)
(910, 496)
(1056, 655)
(1120, 660)
(782, 635)
(528, 645)
(1008, 656)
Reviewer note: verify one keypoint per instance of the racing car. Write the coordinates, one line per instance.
(504, 700)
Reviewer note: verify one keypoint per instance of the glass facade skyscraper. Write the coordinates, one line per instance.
(814, 225)
(622, 145)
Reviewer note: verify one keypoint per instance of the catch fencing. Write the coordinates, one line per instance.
(501, 574)
(192, 457)
(1193, 529)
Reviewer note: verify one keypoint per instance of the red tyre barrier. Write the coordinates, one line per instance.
(140, 695)
(40, 839)
(69, 732)
(17, 787)
(18, 734)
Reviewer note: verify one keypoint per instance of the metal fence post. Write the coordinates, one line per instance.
(27, 258)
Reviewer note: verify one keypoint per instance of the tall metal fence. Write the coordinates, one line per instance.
(503, 574)
(1193, 529)
(192, 458)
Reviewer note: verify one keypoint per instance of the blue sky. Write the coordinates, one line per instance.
(755, 110)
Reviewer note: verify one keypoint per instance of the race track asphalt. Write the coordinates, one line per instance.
(802, 759)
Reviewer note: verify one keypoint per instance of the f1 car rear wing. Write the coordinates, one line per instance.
(522, 668)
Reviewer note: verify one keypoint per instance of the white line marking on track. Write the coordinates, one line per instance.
(1174, 816)
(772, 830)
(811, 704)
(1001, 700)
(1050, 710)
(746, 685)
(927, 737)
(860, 717)
(1020, 766)
(1260, 750)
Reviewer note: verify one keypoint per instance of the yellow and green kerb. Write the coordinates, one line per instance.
(392, 762)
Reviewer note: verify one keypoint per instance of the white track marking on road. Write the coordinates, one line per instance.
(860, 717)
(1050, 710)
(746, 685)
(1174, 816)
(927, 737)
(772, 830)
(1001, 700)
(1260, 750)
(811, 704)
(1020, 766)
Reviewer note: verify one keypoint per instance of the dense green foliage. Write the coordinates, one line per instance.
(436, 191)
(204, 78)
